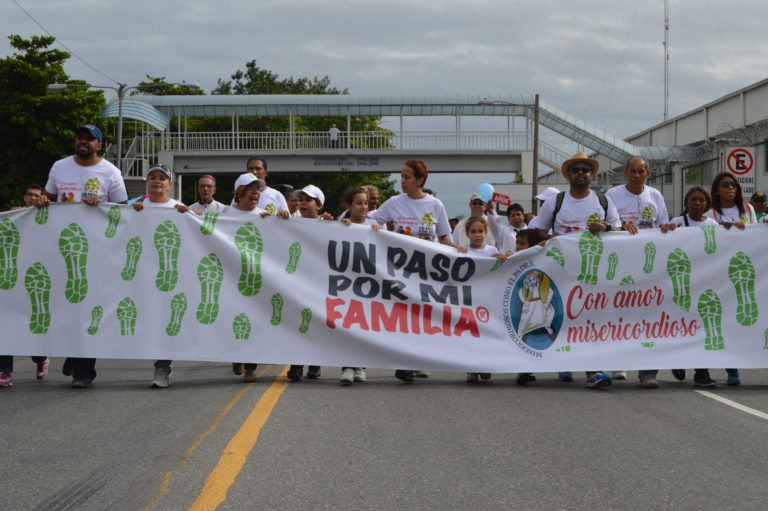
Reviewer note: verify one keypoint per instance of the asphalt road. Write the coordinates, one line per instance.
(437, 444)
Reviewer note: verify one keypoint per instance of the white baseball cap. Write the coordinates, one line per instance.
(248, 178)
(546, 194)
(312, 191)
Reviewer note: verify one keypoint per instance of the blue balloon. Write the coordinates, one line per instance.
(485, 191)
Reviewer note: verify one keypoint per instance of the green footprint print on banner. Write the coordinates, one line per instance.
(133, 250)
(306, 317)
(679, 271)
(241, 327)
(613, 262)
(73, 246)
(648, 344)
(126, 316)
(498, 264)
(209, 223)
(41, 215)
(627, 281)
(591, 250)
(765, 337)
(711, 311)
(249, 244)
(277, 309)
(210, 273)
(650, 255)
(558, 256)
(710, 241)
(167, 242)
(564, 349)
(9, 254)
(37, 282)
(113, 218)
(178, 309)
(294, 253)
(742, 274)
(97, 313)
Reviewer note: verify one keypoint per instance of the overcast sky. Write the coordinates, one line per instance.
(599, 60)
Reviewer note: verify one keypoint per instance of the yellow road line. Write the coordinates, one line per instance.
(166, 480)
(236, 452)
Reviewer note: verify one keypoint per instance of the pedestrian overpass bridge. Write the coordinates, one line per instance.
(458, 150)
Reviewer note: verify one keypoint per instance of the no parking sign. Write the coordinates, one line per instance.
(740, 161)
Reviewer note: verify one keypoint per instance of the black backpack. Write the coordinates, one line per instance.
(559, 204)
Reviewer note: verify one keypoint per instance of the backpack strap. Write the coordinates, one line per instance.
(603, 203)
(558, 205)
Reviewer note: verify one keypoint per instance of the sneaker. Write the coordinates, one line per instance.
(42, 369)
(618, 375)
(648, 381)
(404, 375)
(294, 373)
(485, 376)
(565, 376)
(421, 374)
(250, 375)
(162, 378)
(66, 369)
(702, 379)
(347, 376)
(82, 383)
(473, 377)
(524, 379)
(679, 374)
(313, 372)
(6, 380)
(360, 375)
(598, 380)
(238, 368)
(734, 378)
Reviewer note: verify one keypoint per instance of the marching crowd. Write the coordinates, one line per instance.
(629, 207)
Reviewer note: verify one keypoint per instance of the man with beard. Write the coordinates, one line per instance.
(87, 178)
(576, 210)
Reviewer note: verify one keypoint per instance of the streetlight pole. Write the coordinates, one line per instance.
(121, 89)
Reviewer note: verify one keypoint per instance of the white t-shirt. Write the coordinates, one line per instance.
(487, 250)
(209, 207)
(680, 221)
(72, 182)
(732, 214)
(459, 234)
(423, 218)
(575, 214)
(234, 211)
(646, 210)
(272, 201)
(334, 133)
(504, 233)
(171, 203)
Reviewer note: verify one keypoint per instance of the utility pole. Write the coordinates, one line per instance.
(535, 172)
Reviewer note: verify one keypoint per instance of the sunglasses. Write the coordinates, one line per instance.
(477, 203)
(729, 184)
(580, 168)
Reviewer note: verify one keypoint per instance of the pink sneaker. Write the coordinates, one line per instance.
(42, 369)
(6, 380)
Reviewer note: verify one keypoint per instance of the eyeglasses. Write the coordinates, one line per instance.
(477, 203)
(580, 168)
(729, 184)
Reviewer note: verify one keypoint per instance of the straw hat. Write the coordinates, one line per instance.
(580, 158)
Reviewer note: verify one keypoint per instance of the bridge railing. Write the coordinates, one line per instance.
(358, 140)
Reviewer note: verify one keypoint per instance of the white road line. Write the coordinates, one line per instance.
(734, 404)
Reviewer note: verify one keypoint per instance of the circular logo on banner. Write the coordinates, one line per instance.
(740, 161)
(533, 309)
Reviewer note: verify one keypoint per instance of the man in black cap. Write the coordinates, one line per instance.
(758, 202)
(88, 178)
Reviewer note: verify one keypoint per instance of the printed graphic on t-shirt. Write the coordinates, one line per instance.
(271, 208)
(92, 188)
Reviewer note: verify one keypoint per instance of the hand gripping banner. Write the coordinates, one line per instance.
(110, 282)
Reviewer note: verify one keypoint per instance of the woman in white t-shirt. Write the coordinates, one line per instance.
(416, 213)
(159, 181)
(728, 205)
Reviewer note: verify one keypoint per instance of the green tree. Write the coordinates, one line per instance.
(37, 126)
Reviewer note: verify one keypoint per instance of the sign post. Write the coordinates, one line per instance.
(740, 161)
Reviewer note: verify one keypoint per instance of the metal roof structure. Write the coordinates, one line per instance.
(398, 106)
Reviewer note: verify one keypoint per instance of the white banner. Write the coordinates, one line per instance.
(109, 282)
